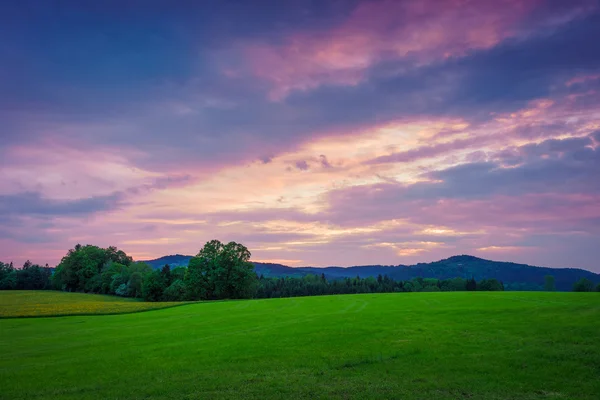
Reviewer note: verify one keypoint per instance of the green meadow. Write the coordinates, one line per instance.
(449, 345)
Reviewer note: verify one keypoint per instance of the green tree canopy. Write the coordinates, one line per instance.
(96, 270)
(175, 292)
(490, 285)
(583, 285)
(220, 271)
(153, 287)
(471, 284)
(8, 276)
(79, 265)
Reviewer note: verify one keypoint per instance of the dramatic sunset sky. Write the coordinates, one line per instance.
(314, 132)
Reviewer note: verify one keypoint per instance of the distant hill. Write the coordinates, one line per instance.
(514, 276)
(266, 269)
(174, 261)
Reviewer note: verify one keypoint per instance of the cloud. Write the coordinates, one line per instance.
(302, 165)
(34, 204)
(324, 162)
(502, 79)
(160, 138)
(418, 33)
(572, 170)
(431, 151)
(162, 182)
(266, 159)
(553, 176)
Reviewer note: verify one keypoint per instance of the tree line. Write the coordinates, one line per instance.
(218, 271)
(311, 285)
(29, 277)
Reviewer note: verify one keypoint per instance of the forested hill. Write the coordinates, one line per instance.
(515, 276)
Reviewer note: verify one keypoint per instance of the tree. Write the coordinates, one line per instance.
(408, 287)
(583, 285)
(122, 290)
(430, 285)
(94, 283)
(175, 292)
(119, 280)
(153, 287)
(8, 277)
(110, 271)
(178, 273)
(549, 285)
(471, 285)
(93, 269)
(30, 277)
(456, 284)
(198, 286)
(78, 266)
(118, 256)
(165, 273)
(490, 285)
(220, 272)
(141, 267)
(134, 285)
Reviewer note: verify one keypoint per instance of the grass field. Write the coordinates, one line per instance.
(473, 345)
(29, 303)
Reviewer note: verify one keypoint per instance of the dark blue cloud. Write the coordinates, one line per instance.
(508, 75)
(33, 204)
(123, 47)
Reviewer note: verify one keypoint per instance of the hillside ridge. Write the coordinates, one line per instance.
(515, 276)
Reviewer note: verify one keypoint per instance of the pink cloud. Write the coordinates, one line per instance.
(418, 32)
(582, 79)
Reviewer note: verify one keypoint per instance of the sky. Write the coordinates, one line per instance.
(313, 132)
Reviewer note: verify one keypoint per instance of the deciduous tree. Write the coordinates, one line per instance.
(583, 285)
(220, 272)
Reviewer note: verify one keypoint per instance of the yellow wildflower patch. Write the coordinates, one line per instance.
(37, 303)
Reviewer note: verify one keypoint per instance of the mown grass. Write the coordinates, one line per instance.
(395, 346)
(30, 303)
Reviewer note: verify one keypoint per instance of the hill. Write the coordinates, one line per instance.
(514, 276)
(174, 261)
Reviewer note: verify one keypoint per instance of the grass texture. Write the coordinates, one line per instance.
(472, 345)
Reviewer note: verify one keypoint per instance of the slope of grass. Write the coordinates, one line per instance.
(36, 303)
(396, 346)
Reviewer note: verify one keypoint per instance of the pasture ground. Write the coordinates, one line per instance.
(472, 345)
